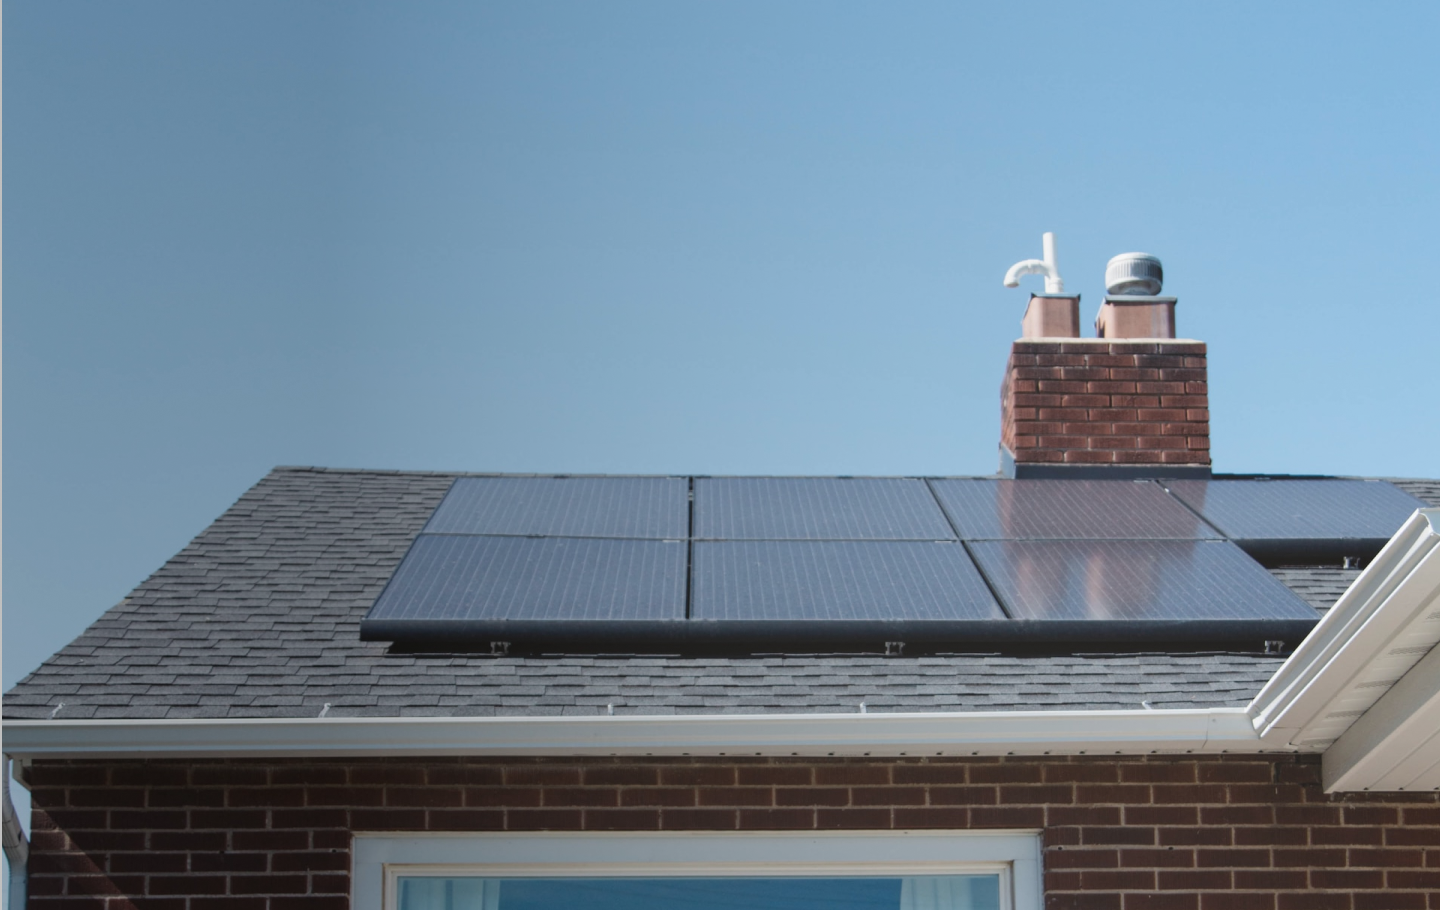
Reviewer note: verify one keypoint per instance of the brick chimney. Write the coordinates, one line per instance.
(1131, 403)
(1105, 407)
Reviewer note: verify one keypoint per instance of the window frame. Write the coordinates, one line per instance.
(379, 860)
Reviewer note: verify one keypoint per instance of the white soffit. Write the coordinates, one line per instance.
(1361, 686)
(1396, 744)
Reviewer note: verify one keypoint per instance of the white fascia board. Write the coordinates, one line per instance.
(1376, 632)
(999, 733)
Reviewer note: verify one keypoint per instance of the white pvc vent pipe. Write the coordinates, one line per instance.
(1049, 267)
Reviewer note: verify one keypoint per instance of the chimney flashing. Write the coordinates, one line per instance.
(1012, 470)
(1138, 299)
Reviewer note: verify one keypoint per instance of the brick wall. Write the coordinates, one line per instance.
(1106, 402)
(1164, 833)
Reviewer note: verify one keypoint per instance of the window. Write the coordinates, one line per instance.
(891, 870)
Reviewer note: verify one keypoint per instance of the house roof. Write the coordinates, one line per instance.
(259, 617)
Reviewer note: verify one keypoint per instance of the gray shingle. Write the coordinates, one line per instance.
(1427, 491)
(1319, 586)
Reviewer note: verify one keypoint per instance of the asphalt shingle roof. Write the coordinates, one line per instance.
(259, 617)
(1319, 586)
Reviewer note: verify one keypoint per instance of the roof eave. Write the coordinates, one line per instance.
(879, 734)
(1364, 686)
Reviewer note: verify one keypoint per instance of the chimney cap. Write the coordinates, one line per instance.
(1134, 274)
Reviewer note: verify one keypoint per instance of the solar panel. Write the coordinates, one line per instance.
(817, 508)
(640, 507)
(468, 578)
(1062, 509)
(837, 580)
(1134, 580)
(1275, 520)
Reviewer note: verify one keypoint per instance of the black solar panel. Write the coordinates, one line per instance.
(1064, 509)
(641, 507)
(462, 578)
(817, 508)
(1300, 519)
(837, 580)
(1134, 580)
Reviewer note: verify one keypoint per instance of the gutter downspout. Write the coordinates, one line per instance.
(17, 851)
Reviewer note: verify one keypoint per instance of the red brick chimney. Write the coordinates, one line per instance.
(1131, 407)
(1131, 403)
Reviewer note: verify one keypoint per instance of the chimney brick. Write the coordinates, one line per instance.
(1113, 402)
(1051, 316)
(1136, 317)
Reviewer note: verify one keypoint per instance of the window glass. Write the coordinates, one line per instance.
(949, 892)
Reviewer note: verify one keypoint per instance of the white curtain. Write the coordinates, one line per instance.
(957, 892)
(449, 894)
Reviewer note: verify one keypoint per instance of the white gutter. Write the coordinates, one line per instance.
(990, 733)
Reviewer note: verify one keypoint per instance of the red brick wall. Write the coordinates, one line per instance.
(1120, 834)
(1112, 402)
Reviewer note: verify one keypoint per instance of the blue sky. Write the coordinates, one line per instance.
(661, 237)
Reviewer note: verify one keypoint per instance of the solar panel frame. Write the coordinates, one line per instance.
(1082, 509)
(1300, 520)
(1135, 581)
(817, 508)
(653, 508)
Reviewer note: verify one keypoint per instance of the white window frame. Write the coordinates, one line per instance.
(379, 860)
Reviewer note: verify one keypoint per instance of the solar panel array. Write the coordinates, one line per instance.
(676, 559)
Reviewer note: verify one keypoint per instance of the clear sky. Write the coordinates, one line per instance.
(670, 237)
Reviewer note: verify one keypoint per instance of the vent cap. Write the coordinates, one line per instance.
(1135, 274)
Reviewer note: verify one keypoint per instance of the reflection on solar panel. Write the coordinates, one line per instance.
(1134, 580)
(454, 578)
(643, 507)
(838, 580)
(1063, 509)
(1300, 519)
(817, 508)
